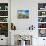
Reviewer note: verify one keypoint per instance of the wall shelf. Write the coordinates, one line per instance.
(4, 19)
(41, 28)
(42, 19)
(3, 10)
(42, 10)
(42, 16)
(3, 16)
(41, 22)
(3, 22)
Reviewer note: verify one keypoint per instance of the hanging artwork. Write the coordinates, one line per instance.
(23, 14)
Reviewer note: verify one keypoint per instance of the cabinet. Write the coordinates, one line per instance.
(3, 40)
(4, 23)
(4, 19)
(42, 19)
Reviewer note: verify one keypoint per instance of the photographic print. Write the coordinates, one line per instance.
(23, 14)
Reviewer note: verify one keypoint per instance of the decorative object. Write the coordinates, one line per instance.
(23, 14)
(43, 13)
(4, 29)
(42, 32)
(0, 7)
(41, 6)
(31, 27)
(3, 13)
(3, 6)
(6, 7)
(13, 27)
(41, 19)
(23, 40)
(42, 25)
(3, 19)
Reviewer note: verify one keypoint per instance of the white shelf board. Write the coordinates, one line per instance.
(42, 16)
(41, 28)
(3, 22)
(3, 16)
(41, 10)
(3, 10)
(41, 22)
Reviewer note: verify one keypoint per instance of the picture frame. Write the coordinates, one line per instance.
(23, 14)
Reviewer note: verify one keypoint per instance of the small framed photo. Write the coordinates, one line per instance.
(22, 14)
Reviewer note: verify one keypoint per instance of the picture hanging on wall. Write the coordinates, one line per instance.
(23, 14)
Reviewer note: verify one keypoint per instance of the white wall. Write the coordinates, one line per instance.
(32, 5)
(23, 24)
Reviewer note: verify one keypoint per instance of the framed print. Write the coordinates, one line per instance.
(23, 14)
